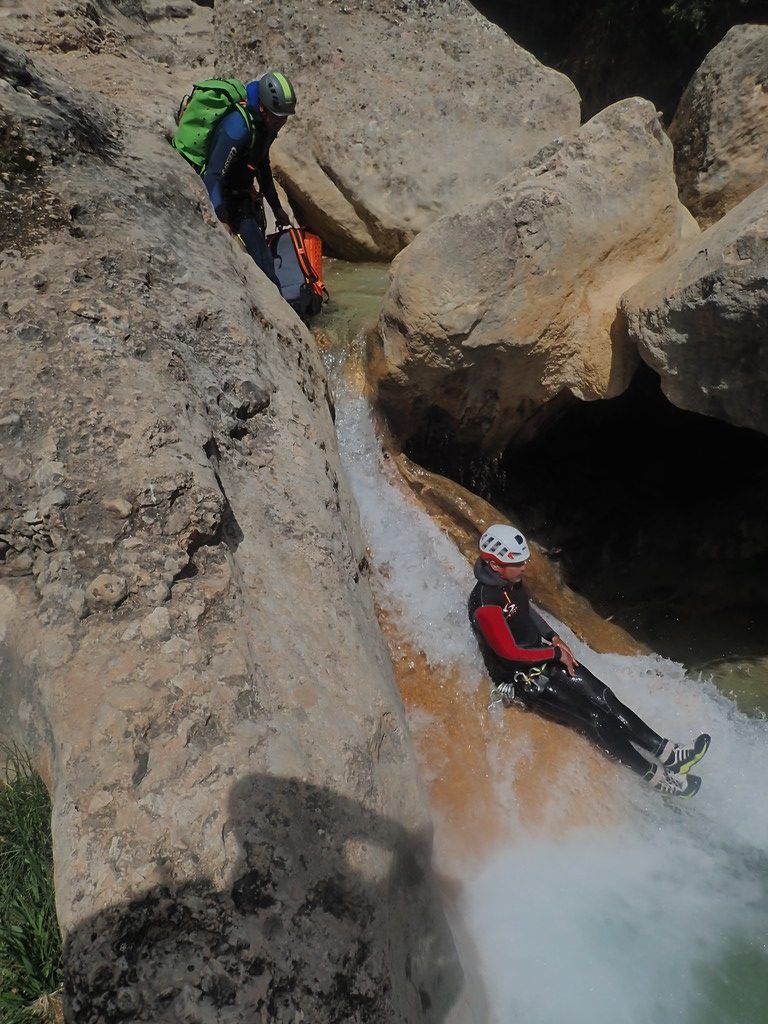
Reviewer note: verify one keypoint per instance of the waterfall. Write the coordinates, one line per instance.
(634, 910)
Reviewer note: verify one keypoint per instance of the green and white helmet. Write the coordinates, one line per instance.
(504, 545)
(277, 94)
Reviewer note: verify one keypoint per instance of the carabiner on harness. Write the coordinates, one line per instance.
(531, 682)
(503, 693)
(523, 684)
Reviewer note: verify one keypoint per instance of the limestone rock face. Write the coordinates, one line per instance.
(495, 310)
(701, 320)
(405, 111)
(187, 637)
(720, 129)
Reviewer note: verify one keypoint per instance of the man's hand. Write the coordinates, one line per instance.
(282, 220)
(569, 661)
(566, 655)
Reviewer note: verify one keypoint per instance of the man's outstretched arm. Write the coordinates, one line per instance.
(494, 629)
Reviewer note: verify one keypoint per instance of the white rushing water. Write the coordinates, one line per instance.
(660, 916)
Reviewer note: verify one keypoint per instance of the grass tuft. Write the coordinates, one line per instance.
(30, 943)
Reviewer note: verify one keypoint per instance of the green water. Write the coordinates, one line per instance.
(745, 681)
(356, 291)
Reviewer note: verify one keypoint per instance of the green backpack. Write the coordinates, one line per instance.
(201, 111)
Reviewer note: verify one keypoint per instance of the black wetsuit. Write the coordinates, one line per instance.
(514, 639)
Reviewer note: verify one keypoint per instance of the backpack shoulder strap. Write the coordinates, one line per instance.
(298, 243)
(248, 118)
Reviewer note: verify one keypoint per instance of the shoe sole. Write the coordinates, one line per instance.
(684, 769)
(694, 785)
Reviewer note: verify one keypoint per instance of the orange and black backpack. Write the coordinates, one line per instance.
(298, 256)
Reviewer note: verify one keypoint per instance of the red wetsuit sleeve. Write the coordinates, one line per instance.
(492, 624)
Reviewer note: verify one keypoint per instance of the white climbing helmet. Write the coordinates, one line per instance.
(504, 545)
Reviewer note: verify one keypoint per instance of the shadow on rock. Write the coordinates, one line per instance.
(331, 915)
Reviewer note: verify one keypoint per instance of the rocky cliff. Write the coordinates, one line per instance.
(719, 129)
(186, 629)
(497, 310)
(700, 320)
(404, 114)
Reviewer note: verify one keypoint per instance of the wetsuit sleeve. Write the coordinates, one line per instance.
(267, 184)
(490, 620)
(229, 145)
(541, 624)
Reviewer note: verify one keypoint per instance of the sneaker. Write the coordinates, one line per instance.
(683, 758)
(669, 784)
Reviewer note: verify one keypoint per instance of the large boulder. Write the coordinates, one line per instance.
(701, 320)
(720, 128)
(187, 636)
(496, 310)
(404, 113)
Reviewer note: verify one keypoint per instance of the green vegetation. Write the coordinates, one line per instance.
(30, 944)
(701, 16)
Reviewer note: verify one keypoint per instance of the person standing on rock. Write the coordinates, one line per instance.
(530, 663)
(233, 156)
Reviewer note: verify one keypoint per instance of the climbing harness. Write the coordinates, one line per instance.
(528, 683)
(531, 681)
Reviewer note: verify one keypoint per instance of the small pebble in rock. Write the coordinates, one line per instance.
(132, 632)
(79, 605)
(106, 591)
(58, 498)
(157, 594)
(157, 625)
(20, 565)
(195, 612)
(119, 506)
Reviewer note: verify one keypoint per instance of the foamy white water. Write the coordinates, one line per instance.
(659, 917)
(422, 578)
(639, 921)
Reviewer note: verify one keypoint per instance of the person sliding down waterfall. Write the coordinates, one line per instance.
(529, 662)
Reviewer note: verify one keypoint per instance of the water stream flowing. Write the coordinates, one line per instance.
(612, 905)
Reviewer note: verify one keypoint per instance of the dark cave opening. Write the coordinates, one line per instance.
(658, 515)
(612, 49)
